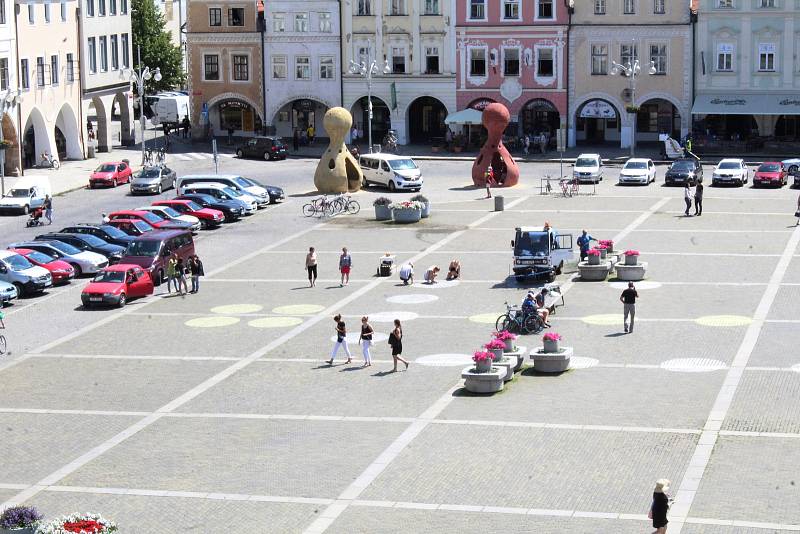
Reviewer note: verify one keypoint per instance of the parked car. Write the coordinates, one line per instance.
(683, 171)
(638, 171)
(222, 192)
(28, 278)
(791, 165)
(208, 217)
(169, 214)
(153, 180)
(116, 285)
(132, 227)
(110, 174)
(268, 148)
(730, 171)
(588, 168)
(106, 232)
(150, 218)
(233, 181)
(770, 173)
(28, 193)
(152, 250)
(7, 293)
(392, 171)
(86, 242)
(231, 209)
(276, 194)
(82, 261)
(61, 271)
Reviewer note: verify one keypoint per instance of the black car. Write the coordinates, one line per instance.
(276, 194)
(231, 209)
(87, 242)
(268, 148)
(684, 170)
(106, 232)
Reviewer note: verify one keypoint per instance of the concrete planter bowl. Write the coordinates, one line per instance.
(631, 259)
(426, 210)
(383, 213)
(406, 216)
(23, 530)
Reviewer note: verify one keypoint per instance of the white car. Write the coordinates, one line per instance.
(165, 212)
(392, 171)
(730, 171)
(638, 171)
(83, 261)
(791, 165)
(588, 168)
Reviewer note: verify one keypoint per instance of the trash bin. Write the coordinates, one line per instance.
(499, 203)
(90, 151)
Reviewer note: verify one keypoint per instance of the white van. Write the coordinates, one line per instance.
(234, 181)
(392, 171)
(223, 192)
(26, 194)
(171, 109)
(588, 168)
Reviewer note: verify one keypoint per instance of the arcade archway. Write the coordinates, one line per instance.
(426, 120)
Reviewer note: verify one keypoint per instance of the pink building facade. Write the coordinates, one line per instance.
(514, 52)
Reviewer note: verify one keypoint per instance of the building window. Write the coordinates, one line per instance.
(236, 16)
(766, 57)
(3, 12)
(545, 63)
(241, 73)
(114, 52)
(279, 67)
(600, 59)
(301, 22)
(725, 4)
(326, 68)
(4, 74)
(124, 44)
(599, 7)
(103, 53)
(92, 53)
(90, 8)
(629, 7)
(54, 69)
(431, 7)
(31, 13)
(658, 55)
(123, 7)
(397, 7)
(101, 8)
(477, 9)
(766, 3)
(477, 62)
(112, 7)
(279, 22)
(431, 60)
(24, 75)
(302, 68)
(511, 9)
(46, 11)
(659, 7)
(211, 67)
(364, 8)
(324, 22)
(363, 55)
(627, 53)
(398, 60)
(725, 57)
(545, 9)
(40, 71)
(215, 16)
(70, 67)
(511, 61)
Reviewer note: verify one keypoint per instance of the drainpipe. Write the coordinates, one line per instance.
(80, 107)
(570, 5)
(261, 27)
(341, 58)
(20, 133)
(693, 21)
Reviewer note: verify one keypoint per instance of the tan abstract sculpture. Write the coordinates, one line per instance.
(337, 171)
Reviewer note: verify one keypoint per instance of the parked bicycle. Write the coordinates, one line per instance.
(516, 321)
(155, 156)
(324, 206)
(3, 344)
(569, 187)
(389, 142)
(49, 162)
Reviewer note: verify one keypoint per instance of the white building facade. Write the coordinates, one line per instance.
(303, 64)
(416, 38)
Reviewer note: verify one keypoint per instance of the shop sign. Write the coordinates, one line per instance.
(598, 109)
(481, 103)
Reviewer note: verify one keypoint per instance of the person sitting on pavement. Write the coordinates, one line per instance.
(529, 304)
(407, 273)
(544, 312)
(454, 270)
(431, 273)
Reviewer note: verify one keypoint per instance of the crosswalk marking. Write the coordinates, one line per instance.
(191, 156)
(196, 155)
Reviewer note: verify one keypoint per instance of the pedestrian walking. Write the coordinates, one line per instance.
(186, 125)
(688, 196)
(180, 277)
(584, 242)
(341, 339)
(489, 176)
(48, 208)
(366, 340)
(396, 342)
(311, 266)
(172, 265)
(354, 134)
(310, 133)
(527, 144)
(543, 143)
(628, 300)
(698, 198)
(797, 213)
(196, 270)
(105, 218)
(345, 263)
(660, 506)
(230, 135)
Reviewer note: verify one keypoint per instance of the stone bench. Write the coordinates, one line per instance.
(489, 382)
(551, 362)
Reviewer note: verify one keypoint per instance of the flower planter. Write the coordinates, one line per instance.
(603, 253)
(483, 366)
(426, 210)
(383, 213)
(24, 530)
(407, 215)
(550, 346)
(594, 259)
(457, 149)
(509, 345)
(498, 353)
(631, 260)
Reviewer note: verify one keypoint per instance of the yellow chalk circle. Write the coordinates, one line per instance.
(211, 322)
(298, 309)
(275, 322)
(485, 318)
(606, 319)
(235, 309)
(723, 320)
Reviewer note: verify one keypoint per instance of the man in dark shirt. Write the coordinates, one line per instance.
(628, 300)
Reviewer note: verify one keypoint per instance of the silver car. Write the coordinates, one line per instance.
(83, 261)
(153, 180)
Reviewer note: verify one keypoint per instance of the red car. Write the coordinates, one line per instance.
(110, 174)
(208, 217)
(134, 227)
(150, 218)
(61, 271)
(770, 173)
(115, 284)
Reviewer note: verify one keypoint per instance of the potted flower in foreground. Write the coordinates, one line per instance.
(602, 250)
(483, 361)
(382, 210)
(631, 257)
(426, 205)
(506, 337)
(19, 520)
(496, 347)
(593, 257)
(408, 211)
(550, 341)
(77, 523)
(608, 243)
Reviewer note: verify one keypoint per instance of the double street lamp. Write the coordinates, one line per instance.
(632, 69)
(139, 78)
(367, 69)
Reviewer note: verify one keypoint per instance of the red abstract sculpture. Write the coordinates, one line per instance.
(494, 154)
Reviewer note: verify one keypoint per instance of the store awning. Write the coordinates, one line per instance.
(772, 104)
(465, 116)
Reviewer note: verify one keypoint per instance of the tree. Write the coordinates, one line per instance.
(147, 27)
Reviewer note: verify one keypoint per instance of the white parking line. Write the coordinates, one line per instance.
(182, 157)
(196, 155)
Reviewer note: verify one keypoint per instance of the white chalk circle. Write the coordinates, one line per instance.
(411, 299)
(440, 284)
(352, 337)
(298, 309)
(390, 316)
(445, 360)
(212, 322)
(275, 322)
(693, 365)
(236, 309)
(582, 362)
(637, 285)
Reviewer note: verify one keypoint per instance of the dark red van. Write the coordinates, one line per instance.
(152, 250)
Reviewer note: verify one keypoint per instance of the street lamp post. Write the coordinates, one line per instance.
(631, 69)
(8, 102)
(367, 69)
(139, 78)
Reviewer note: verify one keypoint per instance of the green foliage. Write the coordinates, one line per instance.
(147, 26)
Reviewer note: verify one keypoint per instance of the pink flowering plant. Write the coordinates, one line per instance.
(482, 356)
(631, 252)
(551, 336)
(504, 335)
(608, 243)
(601, 247)
(495, 344)
(593, 252)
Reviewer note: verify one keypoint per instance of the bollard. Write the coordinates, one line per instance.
(499, 204)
